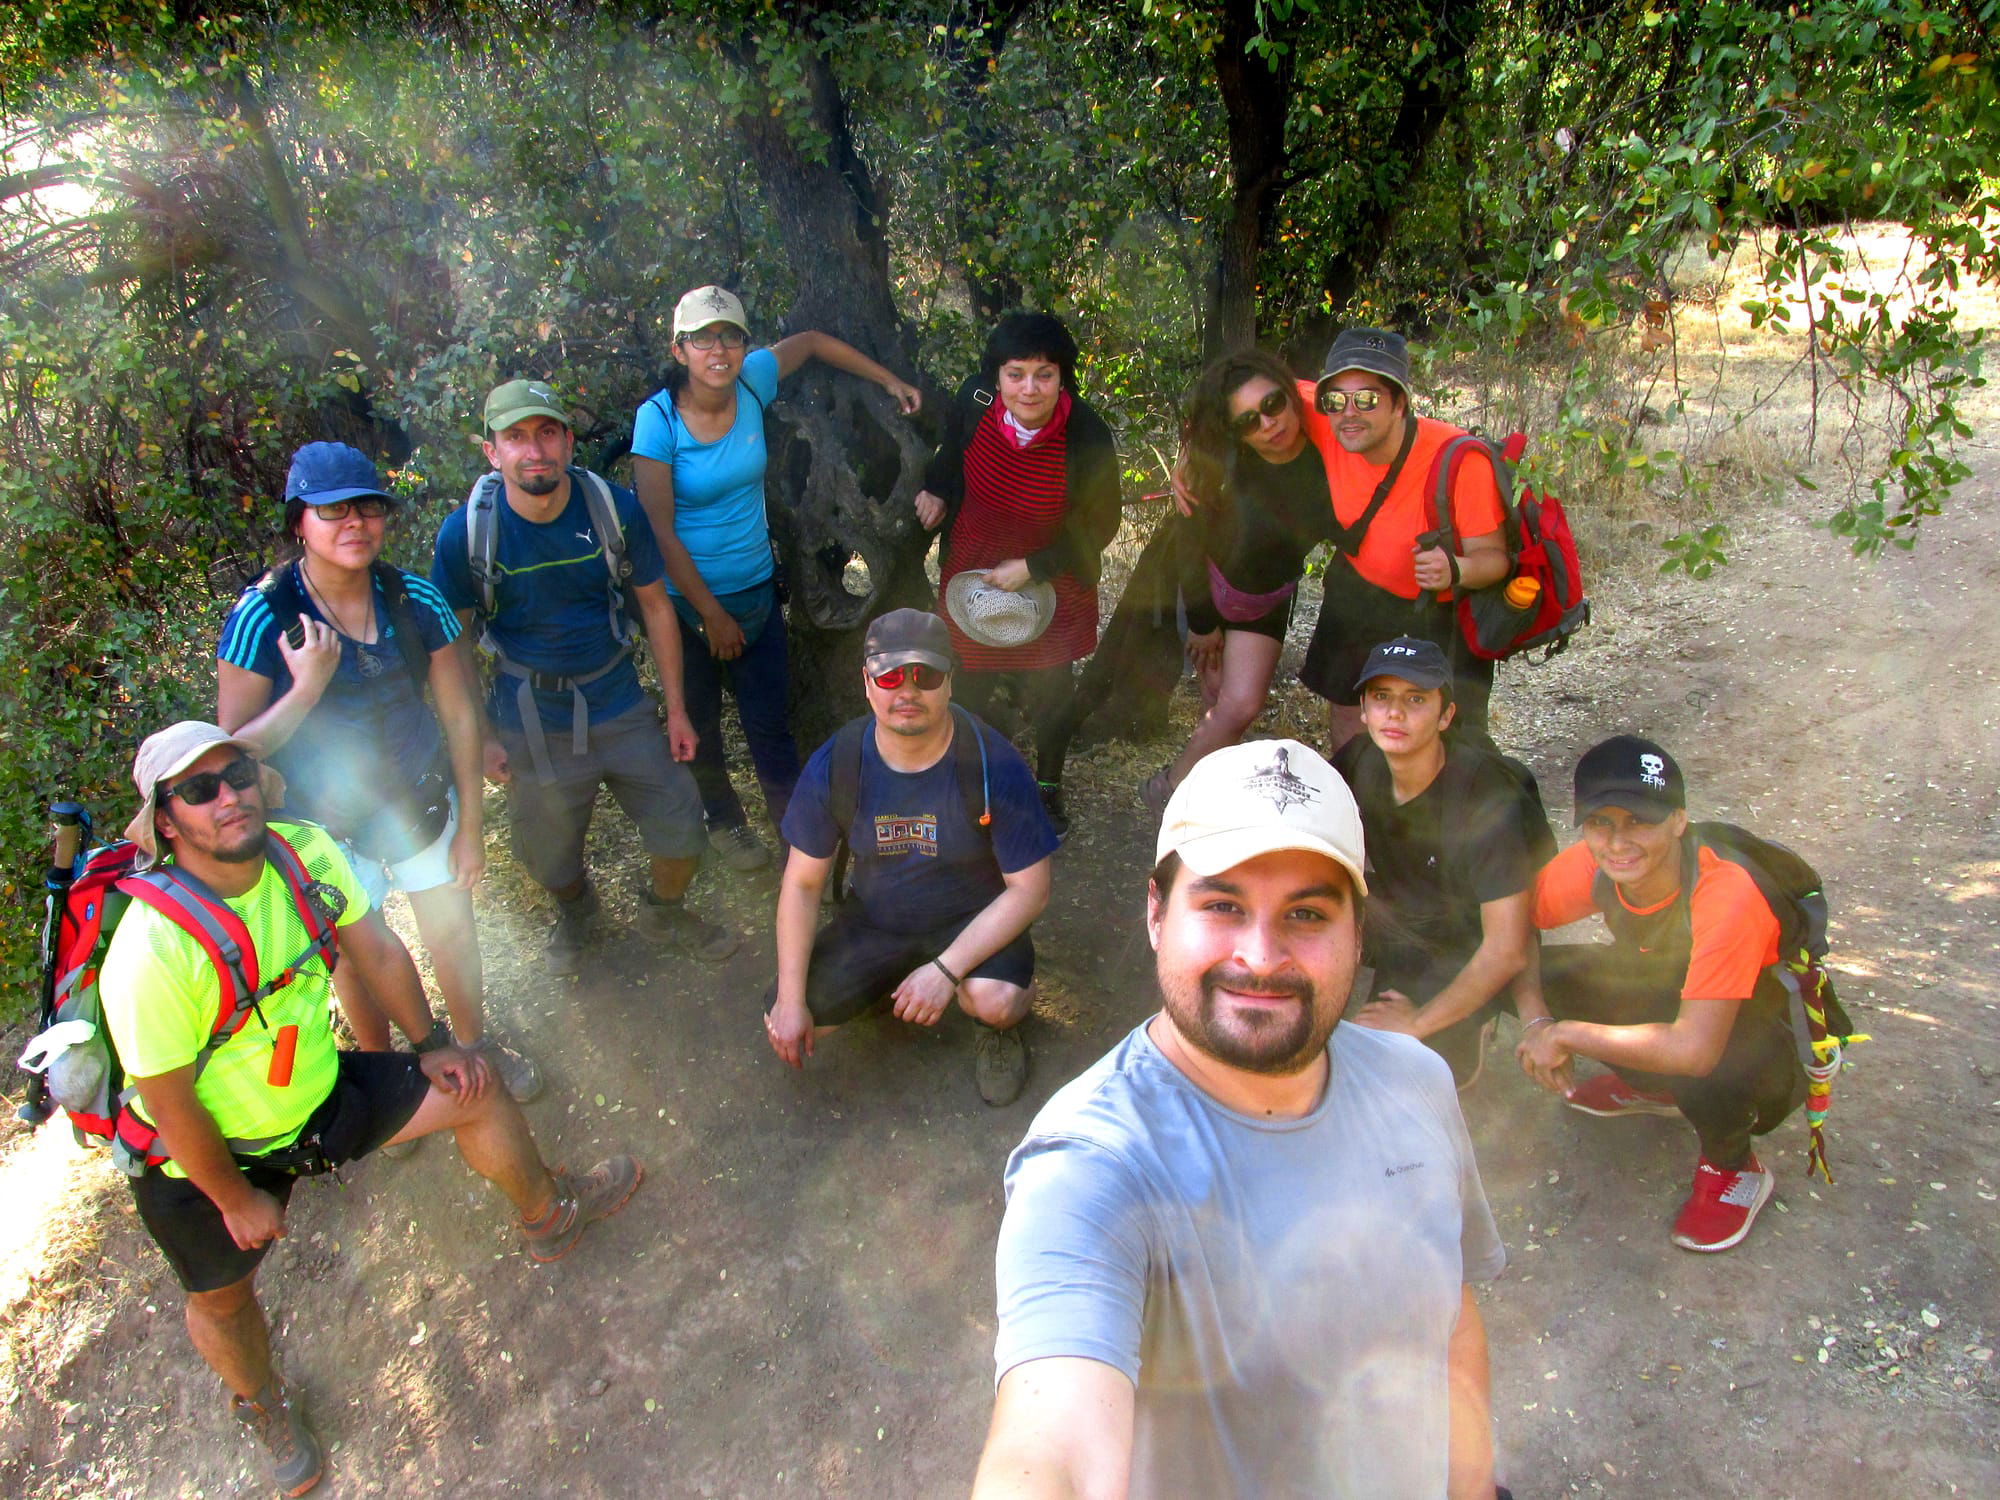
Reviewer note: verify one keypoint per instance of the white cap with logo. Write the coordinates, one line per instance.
(1258, 798)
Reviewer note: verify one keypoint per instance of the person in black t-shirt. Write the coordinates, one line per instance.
(1455, 835)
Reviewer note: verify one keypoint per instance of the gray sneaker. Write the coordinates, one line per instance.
(739, 848)
(522, 1078)
(1000, 1064)
(693, 934)
(296, 1460)
(564, 954)
(582, 1198)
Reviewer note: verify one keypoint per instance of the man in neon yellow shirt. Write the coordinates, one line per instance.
(277, 1090)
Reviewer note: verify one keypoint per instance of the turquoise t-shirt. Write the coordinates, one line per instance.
(718, 486)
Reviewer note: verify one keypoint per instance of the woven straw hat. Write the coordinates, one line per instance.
(993, 616)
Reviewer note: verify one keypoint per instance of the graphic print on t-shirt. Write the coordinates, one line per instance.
(904, 834)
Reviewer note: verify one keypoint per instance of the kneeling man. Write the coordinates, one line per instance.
(1236, 1251)
(951, 855)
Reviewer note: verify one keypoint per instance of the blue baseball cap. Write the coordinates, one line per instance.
(322, 473)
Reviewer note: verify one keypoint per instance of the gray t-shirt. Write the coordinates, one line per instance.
(1281, 1292)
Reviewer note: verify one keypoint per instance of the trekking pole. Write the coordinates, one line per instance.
(71, 824)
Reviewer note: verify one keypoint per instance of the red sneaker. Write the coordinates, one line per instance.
(1607, 1094)
(1722, 1205)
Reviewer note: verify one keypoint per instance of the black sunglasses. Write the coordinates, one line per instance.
(205, 786)
(1246, 422)
(1333, 402)
(369, 508)
(927, 678)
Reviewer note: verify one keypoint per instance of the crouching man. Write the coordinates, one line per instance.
(240, 1120)
(951, 851)
(1683, 1005)
(1236, 1252)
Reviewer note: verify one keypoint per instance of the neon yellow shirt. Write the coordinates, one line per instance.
(161, 996)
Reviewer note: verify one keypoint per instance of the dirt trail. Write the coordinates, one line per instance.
(800, 1300)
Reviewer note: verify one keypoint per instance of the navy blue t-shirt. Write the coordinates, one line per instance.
(919, 860)
(371, 727)
(552, 597)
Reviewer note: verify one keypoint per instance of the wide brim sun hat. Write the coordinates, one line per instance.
(994, 616)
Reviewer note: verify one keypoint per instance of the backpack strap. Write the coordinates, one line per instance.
(610, 531)
(282, 595)
(1348, 539)
(671, 417)
(482, 538)
(979, 809)
(402, 616)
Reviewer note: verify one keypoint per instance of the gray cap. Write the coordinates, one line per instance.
(1376, 350)
(907, 635)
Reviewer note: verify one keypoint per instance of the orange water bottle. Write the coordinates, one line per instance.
(1523, 592)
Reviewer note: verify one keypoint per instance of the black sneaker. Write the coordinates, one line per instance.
(694, 935)
(1000, 1064)
(296, 1460)
(564, 954)
(1052, 804)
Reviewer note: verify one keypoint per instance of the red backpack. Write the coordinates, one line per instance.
(86, 903)
(1539, 541)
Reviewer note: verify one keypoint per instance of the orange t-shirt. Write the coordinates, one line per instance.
(1387, 555)
(1735, 933)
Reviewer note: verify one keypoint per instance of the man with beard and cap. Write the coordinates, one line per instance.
(1236, 1252)
(241, 1119)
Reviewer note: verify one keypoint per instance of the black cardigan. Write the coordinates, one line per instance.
(1090, 472)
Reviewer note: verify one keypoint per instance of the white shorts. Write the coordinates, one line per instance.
(425, 870)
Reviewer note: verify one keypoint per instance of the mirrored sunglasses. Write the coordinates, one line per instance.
(1333, 402)
(927, 678)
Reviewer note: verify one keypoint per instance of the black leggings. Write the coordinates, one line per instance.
(1750, 1092)
(1046, 699)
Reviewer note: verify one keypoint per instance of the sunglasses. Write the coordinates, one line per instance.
(369, 508)
(1246, 422)
(1333, 402)
(204, 787)
(927, 678)
(727, 338)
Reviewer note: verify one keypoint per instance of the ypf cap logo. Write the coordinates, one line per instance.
(1653, 771)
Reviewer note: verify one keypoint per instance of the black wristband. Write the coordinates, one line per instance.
(955, 980)
(438, 1038)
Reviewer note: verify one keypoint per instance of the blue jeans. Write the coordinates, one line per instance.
(761, 682)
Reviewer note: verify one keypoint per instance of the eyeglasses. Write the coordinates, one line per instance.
(204, 787)
(368, 507)
(1246, 422)
(1333, 402)
(711, 339)
(927, 677)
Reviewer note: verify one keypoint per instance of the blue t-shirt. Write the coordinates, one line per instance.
(552, 600)
(371, 727)
(919, 860)
(1281, 1293)
(718, 486)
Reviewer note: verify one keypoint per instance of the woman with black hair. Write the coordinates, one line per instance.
(1025, 488)
(1263, 505)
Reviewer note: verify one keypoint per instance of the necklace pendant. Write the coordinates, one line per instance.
(369, 663)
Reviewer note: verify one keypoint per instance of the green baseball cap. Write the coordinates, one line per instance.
(520, 399)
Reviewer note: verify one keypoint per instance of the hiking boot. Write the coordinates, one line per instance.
(296, 1460)
(581, 1200)
(694, 935)
(1155, 791)
(522, 1078)
(1000, 1064)
(1722, 1205)
(739, 848)
(1052, 804)
(1608, 1095)
(564, 954)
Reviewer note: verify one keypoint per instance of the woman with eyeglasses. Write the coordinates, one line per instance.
(698, 460)
(1026, 488)
(324, 663)
(1262, 505)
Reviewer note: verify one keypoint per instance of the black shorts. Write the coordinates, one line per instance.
(373, 1097)
(856, 965)
(1355, 617)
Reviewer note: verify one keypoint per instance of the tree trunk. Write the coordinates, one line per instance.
(1256, 96)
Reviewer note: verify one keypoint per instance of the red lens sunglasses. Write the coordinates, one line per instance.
(926, 677)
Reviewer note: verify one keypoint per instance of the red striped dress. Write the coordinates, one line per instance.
(1015, 501)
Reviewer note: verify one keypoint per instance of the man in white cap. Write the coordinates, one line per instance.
(239, 1119)
(1236, 1250)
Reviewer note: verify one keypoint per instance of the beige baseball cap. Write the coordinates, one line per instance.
(709, 304)
(1258, 798)
(164, 755)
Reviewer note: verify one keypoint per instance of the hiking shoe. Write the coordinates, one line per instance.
(522, 1078)
(1608, 1095)
(1155, 791)
(1000, 1064)
(581, 1200)
(1722, 1205)
(397, 1150)
(1052, 804)
(739, 848)
(296, 1460)
(564, 954)
(693, 934)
